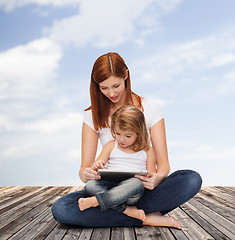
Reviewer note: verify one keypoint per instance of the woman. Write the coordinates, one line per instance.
(110, 88)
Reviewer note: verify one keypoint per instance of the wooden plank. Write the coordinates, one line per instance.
(147, 233)
(17, 210)
(25, 196)
(221, 223)
(23, 208)
(58, 232)
(222, 209)
(73, 233)
(209, 215)
(8, 190)
(166, 233)
(100, 234)
(189, 227)
(230, 191)
(23, 231)
(26, 221)
(226, 198)
(42, 229)
(123, 233)
(129, 233)
(5, 189)
(86, 234)
(178, 234)
(198, 218)
(12, 196)
(117, 233)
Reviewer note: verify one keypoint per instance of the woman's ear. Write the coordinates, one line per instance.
(126, 74)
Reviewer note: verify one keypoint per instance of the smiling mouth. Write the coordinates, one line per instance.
(114, 98)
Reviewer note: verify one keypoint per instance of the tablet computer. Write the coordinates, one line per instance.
(119, 175)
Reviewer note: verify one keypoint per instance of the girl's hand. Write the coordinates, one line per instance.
(98, 164)
(151, 180)
(91, 174)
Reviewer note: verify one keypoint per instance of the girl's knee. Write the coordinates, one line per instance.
(90, 187)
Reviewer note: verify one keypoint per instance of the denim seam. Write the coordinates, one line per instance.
(101, 203)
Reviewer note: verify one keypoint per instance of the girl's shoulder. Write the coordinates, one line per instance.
(110, 145)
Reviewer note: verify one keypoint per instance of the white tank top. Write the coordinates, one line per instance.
(119, 160)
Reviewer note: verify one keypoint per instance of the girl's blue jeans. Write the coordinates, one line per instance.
(115, 195)
(173, 191)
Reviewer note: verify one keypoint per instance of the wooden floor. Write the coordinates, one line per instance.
(25, 213)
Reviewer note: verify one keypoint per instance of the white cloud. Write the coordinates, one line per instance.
(209, 153)
(204, 67)
(54, 135)
(9, 5)
(26, 69)
(107, 23)
(215, 164)
(57, 122)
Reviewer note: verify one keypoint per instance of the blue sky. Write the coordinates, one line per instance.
(181, 53)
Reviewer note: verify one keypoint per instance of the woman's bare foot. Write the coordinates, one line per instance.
(85, 203)
(135, 213)
(174, 223)
(156, 219)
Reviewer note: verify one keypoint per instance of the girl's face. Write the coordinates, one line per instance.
(125, 138)
(114, 89)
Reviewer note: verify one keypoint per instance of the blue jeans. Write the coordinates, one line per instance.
(115, 195)
(173, 191)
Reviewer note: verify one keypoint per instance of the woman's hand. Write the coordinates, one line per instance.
(91, 174)
(151, 180)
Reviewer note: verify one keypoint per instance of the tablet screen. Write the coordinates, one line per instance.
(117, 176)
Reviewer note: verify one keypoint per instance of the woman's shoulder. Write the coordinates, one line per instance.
(150, 102)
(152, 111)
(88, 119)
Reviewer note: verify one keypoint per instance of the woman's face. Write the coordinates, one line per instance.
(113, 88)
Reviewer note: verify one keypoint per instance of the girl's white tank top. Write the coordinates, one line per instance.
(119, 160)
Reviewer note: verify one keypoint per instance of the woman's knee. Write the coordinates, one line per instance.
(194, 181)
(67, 206)
(58, 210)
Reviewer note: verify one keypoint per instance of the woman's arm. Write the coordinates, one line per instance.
(89, 149)
(151, 160)
(158, 138)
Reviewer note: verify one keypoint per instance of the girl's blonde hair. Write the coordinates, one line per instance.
(132, 118)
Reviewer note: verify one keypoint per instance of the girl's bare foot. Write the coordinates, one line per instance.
(85, 203)
(135, 213)
(156, 219)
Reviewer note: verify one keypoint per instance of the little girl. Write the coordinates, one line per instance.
(130, 150)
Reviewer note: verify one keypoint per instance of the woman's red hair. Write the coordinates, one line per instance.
(107, 65)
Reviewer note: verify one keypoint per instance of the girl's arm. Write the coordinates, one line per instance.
(104, 156)
(89, 148)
